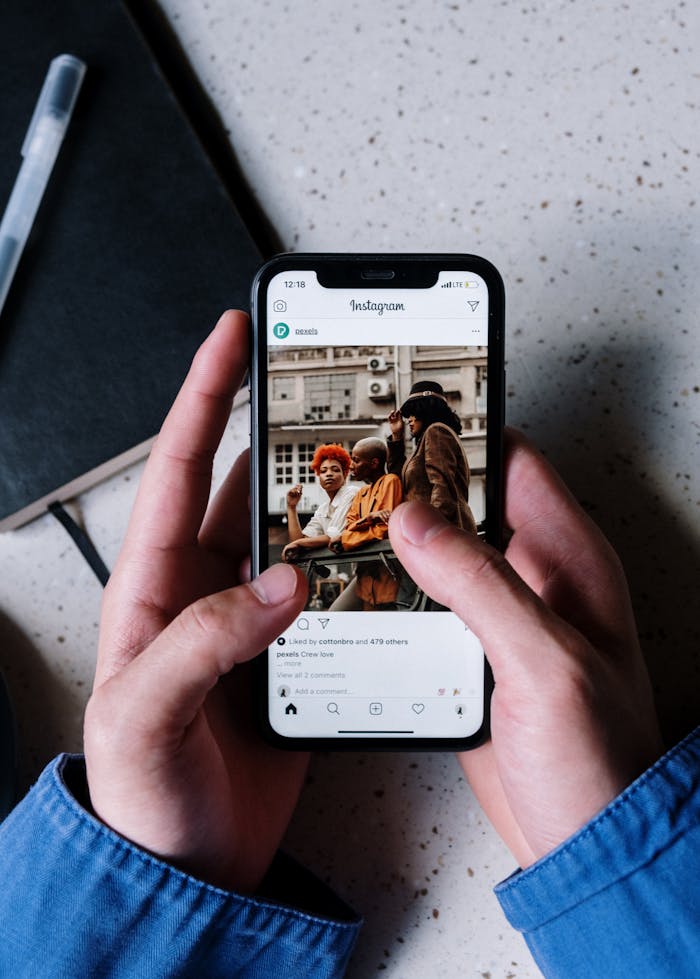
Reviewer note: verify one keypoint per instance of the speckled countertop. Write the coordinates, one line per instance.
(560, 140)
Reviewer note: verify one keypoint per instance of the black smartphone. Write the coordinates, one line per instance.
(375, 379)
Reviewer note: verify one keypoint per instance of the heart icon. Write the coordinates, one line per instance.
(418, 708)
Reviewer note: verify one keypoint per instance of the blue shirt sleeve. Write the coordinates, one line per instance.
(621, 897)
(80, 901)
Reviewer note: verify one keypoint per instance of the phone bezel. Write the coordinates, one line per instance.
(411, 271)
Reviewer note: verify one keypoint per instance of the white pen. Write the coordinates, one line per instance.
(41, 145)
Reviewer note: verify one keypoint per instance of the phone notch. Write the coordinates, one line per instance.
(374, 275)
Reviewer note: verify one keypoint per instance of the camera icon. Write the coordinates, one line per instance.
(279, 306)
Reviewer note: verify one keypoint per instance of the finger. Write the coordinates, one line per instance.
(538, 495)
(226, 526)
(470, 577)
(157, 695)
(175, 487)
(558, 550)
(540, 508)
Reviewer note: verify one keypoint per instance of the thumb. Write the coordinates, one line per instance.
(474, 579)
(163, 688)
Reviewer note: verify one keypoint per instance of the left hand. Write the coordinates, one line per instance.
(336, 545)
(173, 761)
(290, 552)
(379, 517)
(371, 520)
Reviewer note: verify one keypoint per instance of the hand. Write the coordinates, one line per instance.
(173, 762)
(572, 715)
(290, 552)
(336, 545)
(395, 420)
(293, 496)
(371, 520)
(362, 523)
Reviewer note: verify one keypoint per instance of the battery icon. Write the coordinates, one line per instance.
(471, 285)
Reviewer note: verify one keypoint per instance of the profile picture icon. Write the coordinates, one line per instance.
(281, 331)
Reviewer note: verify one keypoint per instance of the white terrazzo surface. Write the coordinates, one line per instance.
(560, 140)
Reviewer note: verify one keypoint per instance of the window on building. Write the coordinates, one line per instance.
(306, 454)
(481, 389)
(293, 463)
(284, 469)
(283, 388)
(329, 397)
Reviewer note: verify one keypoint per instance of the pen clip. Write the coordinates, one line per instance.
(58, 94)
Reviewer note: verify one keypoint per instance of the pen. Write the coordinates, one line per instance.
(40, 149)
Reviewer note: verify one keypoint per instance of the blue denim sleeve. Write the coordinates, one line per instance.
(621, 897)
(77, 900)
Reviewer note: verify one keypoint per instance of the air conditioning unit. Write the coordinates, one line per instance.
(380, 388)
(376, 364)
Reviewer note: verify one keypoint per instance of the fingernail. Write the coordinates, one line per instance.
(420, 523)
(276, 585)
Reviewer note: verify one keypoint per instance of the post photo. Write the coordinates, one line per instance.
(355, 431)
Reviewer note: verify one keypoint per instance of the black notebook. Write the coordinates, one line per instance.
(136, 250)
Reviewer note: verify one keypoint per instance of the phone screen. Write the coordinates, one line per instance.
(368, 395)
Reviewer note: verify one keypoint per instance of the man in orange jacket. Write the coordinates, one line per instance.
(375, 586)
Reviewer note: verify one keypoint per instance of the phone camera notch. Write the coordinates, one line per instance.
(374, 274)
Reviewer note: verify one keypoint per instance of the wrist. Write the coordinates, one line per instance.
(239, 873)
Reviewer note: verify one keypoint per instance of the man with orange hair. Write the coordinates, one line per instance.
(331, 463)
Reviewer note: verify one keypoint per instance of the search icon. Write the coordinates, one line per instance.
(332, 708)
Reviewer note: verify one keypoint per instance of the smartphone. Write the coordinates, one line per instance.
(374, 379)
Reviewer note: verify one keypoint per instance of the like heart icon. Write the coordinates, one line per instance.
(418, 708)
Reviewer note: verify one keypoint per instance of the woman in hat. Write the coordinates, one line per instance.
(437, 472)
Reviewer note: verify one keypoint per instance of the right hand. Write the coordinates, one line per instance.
(294, 496)
(290, 552)
(395, 419)
(572, 714)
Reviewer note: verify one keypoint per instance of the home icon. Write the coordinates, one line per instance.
(290, 709)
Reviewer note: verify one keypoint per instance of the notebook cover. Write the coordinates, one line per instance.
(136, 250)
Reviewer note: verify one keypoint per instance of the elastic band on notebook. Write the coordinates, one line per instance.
(81, 541)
